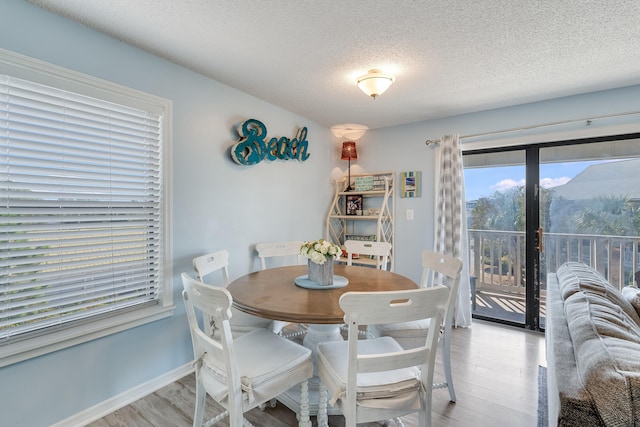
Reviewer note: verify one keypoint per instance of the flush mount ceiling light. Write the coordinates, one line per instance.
(374, 83)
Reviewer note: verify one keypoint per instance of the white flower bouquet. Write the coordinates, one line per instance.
(319, 251)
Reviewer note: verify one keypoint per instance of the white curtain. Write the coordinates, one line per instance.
(451, 217)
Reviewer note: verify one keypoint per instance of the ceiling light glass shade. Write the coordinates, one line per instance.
(374, 83)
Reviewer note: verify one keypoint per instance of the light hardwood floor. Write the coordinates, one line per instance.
(494, 371)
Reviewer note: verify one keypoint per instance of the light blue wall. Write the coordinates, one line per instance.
(402, 148)
(218, 204)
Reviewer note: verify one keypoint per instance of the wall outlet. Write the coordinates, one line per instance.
(410, 214)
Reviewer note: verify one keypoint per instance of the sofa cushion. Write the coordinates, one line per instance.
(574, 277)
(604, 331)
(632, 294)
(606, 350)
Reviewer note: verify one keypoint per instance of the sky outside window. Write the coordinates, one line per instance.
(484, 182)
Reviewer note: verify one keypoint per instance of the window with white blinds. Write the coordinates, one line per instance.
(81, 221)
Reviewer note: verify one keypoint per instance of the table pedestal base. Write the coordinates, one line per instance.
(291, 398)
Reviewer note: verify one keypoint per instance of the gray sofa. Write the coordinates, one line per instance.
(593, 350)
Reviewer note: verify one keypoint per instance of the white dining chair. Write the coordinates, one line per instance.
(287, 252)
(218, 262)
(240, 373)
(437, 268)
(377, 379)
(381, 251)
(281, 254)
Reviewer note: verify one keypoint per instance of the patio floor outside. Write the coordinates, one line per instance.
(504, 306)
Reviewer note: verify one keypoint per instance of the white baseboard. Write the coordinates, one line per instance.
(102, 409)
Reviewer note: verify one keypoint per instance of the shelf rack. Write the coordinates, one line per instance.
(382, 223)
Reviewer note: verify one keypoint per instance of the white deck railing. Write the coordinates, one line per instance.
(497, 257)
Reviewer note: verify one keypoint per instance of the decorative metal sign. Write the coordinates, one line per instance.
(252, 148)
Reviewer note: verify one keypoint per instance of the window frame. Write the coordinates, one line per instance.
(77, 332)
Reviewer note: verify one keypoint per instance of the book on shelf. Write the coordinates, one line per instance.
(365, 237)
(370, 183)
(364, 183)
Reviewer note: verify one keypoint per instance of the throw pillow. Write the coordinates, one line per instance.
(632, 294)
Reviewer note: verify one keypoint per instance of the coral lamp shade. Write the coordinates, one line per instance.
(349, 151)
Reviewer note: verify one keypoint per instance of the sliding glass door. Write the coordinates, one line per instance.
(593, 215)
(496, 214)
(532, 208)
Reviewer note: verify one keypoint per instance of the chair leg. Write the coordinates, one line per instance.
(427, 415)
(446, 362)
(272, 404)
(322, 417)
(216, 419)
(201, 396)
(304, 420)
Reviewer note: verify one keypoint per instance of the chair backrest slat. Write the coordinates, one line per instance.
(279, 249)
(207, 264)
(443, 264)
(442, 269)
(380, 250)
(390, 306)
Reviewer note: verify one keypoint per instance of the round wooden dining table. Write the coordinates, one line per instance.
(273, 294)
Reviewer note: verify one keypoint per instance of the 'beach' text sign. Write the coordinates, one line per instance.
(252, 148)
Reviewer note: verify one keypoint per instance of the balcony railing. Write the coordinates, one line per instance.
(497, 258)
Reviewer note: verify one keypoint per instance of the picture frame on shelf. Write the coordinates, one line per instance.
(354, 204)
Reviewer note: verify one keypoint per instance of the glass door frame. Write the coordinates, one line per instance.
(533, 232)
(533, 238)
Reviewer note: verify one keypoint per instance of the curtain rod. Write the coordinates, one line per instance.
(587, 121)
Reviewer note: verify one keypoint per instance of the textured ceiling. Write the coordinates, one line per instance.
(449, 57)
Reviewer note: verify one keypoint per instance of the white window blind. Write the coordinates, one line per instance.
(80, 215)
